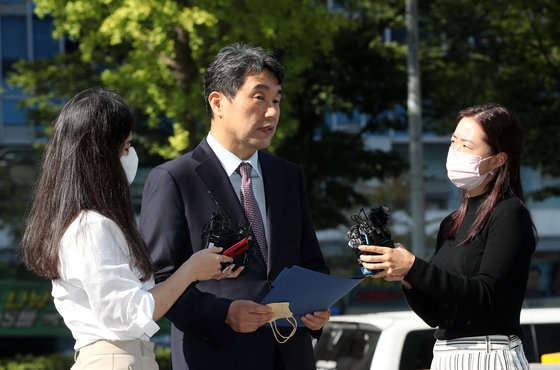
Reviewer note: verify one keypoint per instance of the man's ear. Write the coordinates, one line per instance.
(215, 99)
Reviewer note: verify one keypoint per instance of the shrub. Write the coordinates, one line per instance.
(28, 362)
(65, 362)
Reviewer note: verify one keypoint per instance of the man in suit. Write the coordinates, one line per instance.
(219, 324)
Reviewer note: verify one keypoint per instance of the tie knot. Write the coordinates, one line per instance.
(245, 169)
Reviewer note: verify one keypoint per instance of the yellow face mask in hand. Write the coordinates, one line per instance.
(282, 311)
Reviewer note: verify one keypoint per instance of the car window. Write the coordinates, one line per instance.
(417, 350)
(548, 338)
(529, 344)
(346, 346)
(540, 339)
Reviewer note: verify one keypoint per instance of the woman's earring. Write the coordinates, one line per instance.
(491, 172)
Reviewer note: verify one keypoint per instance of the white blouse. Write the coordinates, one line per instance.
(99, 294)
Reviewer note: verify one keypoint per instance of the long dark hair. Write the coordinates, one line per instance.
(503, 133)
(81, 170)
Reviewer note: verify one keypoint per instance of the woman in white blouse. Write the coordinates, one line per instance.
(81, 233)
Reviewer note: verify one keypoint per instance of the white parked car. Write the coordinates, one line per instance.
(400, 340)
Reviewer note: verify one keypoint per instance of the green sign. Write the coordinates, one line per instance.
(27, 309)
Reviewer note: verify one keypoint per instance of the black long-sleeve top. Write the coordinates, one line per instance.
(476, 288)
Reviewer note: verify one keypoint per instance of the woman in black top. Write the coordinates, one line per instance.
(473, 289)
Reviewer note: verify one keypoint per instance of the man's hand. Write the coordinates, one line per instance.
(247, 316)
(316, 320)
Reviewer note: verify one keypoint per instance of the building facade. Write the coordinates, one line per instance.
(22, 36)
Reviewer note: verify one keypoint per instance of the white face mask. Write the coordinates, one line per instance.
(463, 169)
(130, 164)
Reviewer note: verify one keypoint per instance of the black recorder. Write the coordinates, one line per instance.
(369, 229)
(236, 239)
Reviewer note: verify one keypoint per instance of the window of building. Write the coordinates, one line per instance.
(23, 36)
(44, 46)
(13, 31)
(12, 114)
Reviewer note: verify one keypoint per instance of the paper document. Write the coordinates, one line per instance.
(308, 291)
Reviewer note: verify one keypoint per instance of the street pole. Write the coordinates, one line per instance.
(414, 108)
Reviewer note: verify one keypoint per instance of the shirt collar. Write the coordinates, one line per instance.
(230, 161)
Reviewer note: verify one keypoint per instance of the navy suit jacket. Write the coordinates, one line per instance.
(176, 205)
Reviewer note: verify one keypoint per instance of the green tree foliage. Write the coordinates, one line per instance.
(13, 200)
(361, 73)
(154, 53)
(17, 173)
(501, 51)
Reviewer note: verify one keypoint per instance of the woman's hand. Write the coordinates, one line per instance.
(406, 285)
(202, 265)
(206, 264)
(400, 278)
(394, 262)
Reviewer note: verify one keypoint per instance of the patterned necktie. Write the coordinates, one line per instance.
(252, 208)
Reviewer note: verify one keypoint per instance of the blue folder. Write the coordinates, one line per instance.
(308, 291)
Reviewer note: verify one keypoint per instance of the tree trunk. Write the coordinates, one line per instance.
(185, 72)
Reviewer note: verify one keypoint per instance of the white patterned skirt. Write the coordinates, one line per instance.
(491, 352)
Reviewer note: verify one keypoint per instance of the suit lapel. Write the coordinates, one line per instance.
(212, 174)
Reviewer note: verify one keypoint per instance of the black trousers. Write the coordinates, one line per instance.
(278, 362)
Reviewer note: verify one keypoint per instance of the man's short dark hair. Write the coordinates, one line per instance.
(228, 71)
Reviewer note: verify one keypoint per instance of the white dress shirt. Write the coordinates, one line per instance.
(99, 294)
(230, 162)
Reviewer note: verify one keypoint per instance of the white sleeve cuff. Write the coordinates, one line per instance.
(143, 314)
